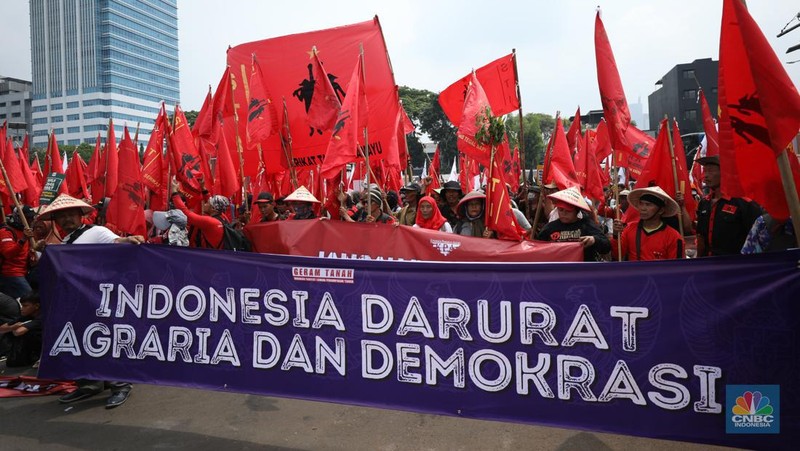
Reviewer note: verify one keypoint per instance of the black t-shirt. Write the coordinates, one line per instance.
(732, 220)
(559, 232)
(448, 214)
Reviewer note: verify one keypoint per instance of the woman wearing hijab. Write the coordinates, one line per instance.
(429, 216)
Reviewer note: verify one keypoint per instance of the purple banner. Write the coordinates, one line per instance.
(646, 349)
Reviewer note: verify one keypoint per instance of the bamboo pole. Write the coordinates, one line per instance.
(239, 147)
(674, 174)
(790, 190)
(546, 163)
(286, 145)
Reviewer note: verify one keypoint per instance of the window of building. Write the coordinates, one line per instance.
(690, 94)
(689, 73)
(2, 116)
(59, 131)
(714, 90)
(690, 115)
(56, 106)
(74, 142)
(40, 108)
(74, 130)
(40, 120)
(14, 102)
(72, 104)
(57, 119)
(16, 114)
(73, 117)
(2, 104)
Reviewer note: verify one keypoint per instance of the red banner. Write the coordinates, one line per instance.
(287, 71)
(333, 239)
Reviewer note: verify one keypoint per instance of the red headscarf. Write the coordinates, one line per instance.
(436, 221)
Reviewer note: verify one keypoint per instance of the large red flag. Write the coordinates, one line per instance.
(343, 146)
(153, 161)
(710, 127)
(202, 133)
(227, 181)
(499, 83)
(76, 178)
(325, 101)
(31, 194)
(36, 170)
(587, 169)
(126, 209)
(499, 216)
(637, 152)
(603, 143)
(474, 118)
(574, 132)
(262, 117)
(204, 123)
(658, 170)
(184, 154)
(759, 112)
(612, 96)
(559, 167)
(289, 55)
(52, 159)
(110, 162)
(12, 164)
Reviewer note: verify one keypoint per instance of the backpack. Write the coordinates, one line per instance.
(233, 239)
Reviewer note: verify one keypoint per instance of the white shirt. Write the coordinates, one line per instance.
(94, 235)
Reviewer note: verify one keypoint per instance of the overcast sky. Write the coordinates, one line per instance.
(434, 42)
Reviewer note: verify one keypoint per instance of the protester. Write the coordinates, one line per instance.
(67, 211)
(9, 312)
(471, 212)
(569, 227)
(649, 238)
(206, 229)
(172, 226)
(24, 333)
(15, 249)
(376, 211)
(450, 195)
(282, 208)
(722, 222)
(266, 207)
(301, 202)
(429, 216)
(408, 214)
(769, 235)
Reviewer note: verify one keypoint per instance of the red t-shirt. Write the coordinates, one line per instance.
(209, 226)
(15, 255)
(663, 243)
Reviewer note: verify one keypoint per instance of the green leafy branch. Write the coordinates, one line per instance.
(491, 129)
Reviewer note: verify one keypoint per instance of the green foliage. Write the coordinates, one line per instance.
(423, 108)
(491, 129)
(191, 117)
(536, 130)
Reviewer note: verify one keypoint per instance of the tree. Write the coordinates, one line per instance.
(537, 129)
(191, 117)
(423, 108)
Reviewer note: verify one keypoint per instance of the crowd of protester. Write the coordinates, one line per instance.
(608, 232)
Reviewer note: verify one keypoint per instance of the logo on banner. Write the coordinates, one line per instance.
(445, 247)
(752, 409)
(331, 275)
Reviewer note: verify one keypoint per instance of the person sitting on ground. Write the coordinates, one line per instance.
(25, 333)
(450, 195)
(15, 250)
(266, 206)
(302, 203)
(649, 238)
(67, 211)
(429, 216)
(471, 212)
(206, 230)
(9, 312)
(569, 227)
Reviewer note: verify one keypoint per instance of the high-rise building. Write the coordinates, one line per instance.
(99, 59)
(15, 107)
(676, 95)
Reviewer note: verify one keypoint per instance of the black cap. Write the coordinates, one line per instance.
(412, 187)
(264, 198)
(453, 185)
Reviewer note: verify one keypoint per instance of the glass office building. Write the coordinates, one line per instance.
(99, 59)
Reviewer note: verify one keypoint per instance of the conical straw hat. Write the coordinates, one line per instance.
(301, 195)
(571, 196)
(670, 206)
(65, 202)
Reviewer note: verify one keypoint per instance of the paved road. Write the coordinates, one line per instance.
(179, 418)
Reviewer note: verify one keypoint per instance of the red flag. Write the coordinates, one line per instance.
(126, 209)
(110, 161)
(153, 162)
(76, 178)
(615, 105)
(474, 118)
(31, 194)
(228, 181)
(499, 216)
(574, 132)
(397, 155)
(499, 83)
(204, 123)
(262, 118)
(325, 103)
(52, 159)
(37, 171)
(638, 150)
(184, 154)
(759, 112)
(516, 170)
(592, 142)
(658, 170)
(710, 127)
(343, 146)
(12, 164)
(289, 55)
(603, 143)
(408, 125)
(587, 169)
(435, 170)
(559, 167)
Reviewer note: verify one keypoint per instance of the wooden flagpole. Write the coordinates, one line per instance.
(790, 190)
(239, 147)
(674, 174)
(286, 145)
(547, 155)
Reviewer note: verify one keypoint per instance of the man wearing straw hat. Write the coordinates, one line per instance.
(67, 212)
(301, 201)
(569, 227)
(650, 238)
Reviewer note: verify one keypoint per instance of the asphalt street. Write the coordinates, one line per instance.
(158, 417)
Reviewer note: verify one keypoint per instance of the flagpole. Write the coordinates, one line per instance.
(366, 134)
(521, 140)
(286, 145)
(105, 177)
(615, 190)
(239, 148)
(16, 202)
(790, 190)
(674, 174)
